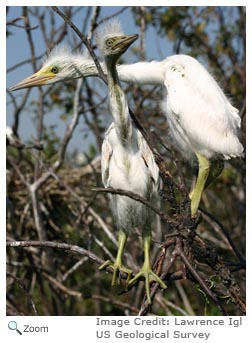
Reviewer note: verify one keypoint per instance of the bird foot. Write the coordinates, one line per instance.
(150, 276)
(118, 268)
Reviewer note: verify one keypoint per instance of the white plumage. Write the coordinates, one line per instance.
(131, 169)
(200, 116)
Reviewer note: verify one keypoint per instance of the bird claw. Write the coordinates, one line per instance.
(150, 277)
(116, 273)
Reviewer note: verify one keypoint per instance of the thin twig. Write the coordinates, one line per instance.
(198, 278)
(55, 245)
(225, 232)
(136, 197)
(22, 286)
(22, 146)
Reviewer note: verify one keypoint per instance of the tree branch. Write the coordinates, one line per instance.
(136, 197)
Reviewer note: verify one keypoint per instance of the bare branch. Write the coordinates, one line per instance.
(22, 286)
(135, 197)
(55, 245)
(26, 27)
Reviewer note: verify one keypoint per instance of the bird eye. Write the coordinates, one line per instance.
(109, 42)
(54, 70)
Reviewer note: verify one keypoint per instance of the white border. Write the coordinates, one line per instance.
(83, 328)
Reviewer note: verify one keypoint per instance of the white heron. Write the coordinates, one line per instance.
(201, 119)
(127, 162)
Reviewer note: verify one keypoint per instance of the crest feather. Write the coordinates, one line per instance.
(109, 29)
(63, 53)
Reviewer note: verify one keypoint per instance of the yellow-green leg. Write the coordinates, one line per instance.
(196, 193)
(146, 270)
(117, 265)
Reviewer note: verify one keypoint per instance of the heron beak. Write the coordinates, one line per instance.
(125, 41)
(38, 79)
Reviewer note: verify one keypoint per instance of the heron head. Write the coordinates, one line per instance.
(46, 75)
(60, 65)
(112, 41)
(117, 45)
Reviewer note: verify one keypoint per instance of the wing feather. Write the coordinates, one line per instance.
(106, 154)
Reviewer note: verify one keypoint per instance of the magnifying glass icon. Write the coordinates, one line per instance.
(13, 326)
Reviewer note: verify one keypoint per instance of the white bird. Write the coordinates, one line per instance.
(127, 162)
(201, 119)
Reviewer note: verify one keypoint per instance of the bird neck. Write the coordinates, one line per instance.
(151, 73)
(118, 104)
(87, 68)
(113, 80)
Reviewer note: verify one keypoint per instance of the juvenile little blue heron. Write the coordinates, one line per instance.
(127, 161)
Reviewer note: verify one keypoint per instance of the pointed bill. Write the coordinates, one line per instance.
(125, 41)
(38, 79)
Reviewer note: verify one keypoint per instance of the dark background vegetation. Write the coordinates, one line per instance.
(65, 227)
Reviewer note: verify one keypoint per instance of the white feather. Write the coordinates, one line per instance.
(200, 116)
(132, 170)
